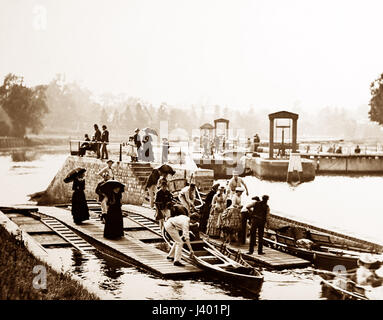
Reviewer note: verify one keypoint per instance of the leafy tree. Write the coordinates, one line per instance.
(376, 102)
(24, 106)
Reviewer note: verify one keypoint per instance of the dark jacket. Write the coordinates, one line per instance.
(105, 136)
(153, 178)
(259, 213)
(163, 198)
(136, 141)
(97, 135)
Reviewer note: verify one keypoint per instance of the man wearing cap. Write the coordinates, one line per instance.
(107, 169)
(236, 182)
(246, 215)
(137, 142)
(187, 197)
(258, 221)
(173, 226)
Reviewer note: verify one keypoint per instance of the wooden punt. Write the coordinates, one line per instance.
(324, 254)
(221, 264)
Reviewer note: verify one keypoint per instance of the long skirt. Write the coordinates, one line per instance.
(213, 227)
(80, 211)
(114, 225)
(205, 212)
(235, 221)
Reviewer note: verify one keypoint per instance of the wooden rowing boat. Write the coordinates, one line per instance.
(323, 255)
(341, 286)
(221, 264)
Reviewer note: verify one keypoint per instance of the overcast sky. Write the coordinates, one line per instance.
(273, 54)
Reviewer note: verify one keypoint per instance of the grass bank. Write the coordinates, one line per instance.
(16, 276)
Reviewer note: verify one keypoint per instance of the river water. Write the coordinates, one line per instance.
(350, 204)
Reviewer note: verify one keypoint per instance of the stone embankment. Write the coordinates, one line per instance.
(132, 175)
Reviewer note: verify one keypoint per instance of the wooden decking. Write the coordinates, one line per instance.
(127, 248)
(272, 258)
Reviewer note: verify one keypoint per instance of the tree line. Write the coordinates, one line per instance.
(62, 107)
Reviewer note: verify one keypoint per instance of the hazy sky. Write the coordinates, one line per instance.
(273, 54)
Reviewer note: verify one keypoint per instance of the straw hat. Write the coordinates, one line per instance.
(367, 258)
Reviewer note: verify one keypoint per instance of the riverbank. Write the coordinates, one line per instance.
(16, 280)
(14, 142)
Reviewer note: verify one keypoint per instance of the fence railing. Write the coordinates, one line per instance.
(177, 153)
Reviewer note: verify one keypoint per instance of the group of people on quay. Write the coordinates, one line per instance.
(97, 144)
(139, 146)
(333, 149)
(224, 216)
(110, 194)
(221, 215)
(218, 144)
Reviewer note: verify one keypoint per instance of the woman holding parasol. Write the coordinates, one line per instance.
(114, 226)
(80, 211)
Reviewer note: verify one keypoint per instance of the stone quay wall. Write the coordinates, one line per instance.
(59, 192)
(276, 170)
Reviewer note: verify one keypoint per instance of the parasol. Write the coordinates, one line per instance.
(165, 168)
(150, 131)
(73, 174)
(108, 186)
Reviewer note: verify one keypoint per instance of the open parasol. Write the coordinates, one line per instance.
(73, 174)
(108, 186)
(165, 168)
(150, 131)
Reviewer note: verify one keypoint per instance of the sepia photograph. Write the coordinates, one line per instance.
(173, 151)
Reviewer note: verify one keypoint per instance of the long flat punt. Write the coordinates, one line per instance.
(127, 248)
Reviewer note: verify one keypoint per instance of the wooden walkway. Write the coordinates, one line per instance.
(272, 258)
(128, 248)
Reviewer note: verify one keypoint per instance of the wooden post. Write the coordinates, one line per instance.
(271, 139)
(120, 152)
(294, 142)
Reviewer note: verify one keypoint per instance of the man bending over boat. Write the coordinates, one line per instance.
(175, 224)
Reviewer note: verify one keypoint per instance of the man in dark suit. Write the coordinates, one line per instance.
(97, 139)
(137, 142)
(258, 221)
(245, 216)
(105, 141)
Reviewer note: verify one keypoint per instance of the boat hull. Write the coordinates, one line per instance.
(243, 275)
(319, 259)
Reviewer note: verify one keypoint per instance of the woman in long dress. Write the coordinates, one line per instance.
(235, 221)
(80, 211)
(217, 207)
(114, 226)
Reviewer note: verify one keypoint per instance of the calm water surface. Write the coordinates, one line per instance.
(341, 203)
